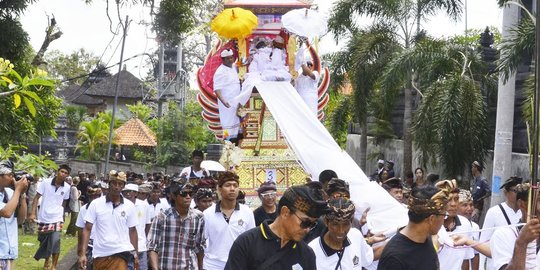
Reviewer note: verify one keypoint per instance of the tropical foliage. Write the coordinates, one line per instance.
(93, 138)
(28, 107)
(71, 68)
(75, 115)
(37, 166)
(403, 19)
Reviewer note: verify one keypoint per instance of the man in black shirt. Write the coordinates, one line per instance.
(279, 245)
(412, 247)
(267, 211)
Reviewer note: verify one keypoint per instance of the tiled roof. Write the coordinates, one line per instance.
(76, 95)
(135, 132)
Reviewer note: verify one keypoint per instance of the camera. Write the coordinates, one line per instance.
(20, 174)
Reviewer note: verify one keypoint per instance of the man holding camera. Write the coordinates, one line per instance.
(50, 218)
(9, 200)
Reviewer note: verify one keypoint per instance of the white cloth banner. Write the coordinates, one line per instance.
(317, 151)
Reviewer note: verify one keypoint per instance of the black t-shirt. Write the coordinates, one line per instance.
(252, 248)
(401, 253)
(261, 215)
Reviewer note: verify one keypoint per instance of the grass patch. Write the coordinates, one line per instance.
(28, 245)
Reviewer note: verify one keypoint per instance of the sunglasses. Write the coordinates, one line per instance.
(269, 195)
(306, 224)
(185, 193)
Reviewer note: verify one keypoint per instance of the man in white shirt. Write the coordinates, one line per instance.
(453, 258)
(157, 204)
(224, 222)
(143, 226)
(227, 87)
(341, 247)
(93, 192)
(306, 85)
(465, 209)
(195, 170)
(502, 214)
(114, 220)
(516, 247)
(55, 192)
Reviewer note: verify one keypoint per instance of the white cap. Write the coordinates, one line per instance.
(279, 40)
(380, 161)
(131, 187)
(226, 53)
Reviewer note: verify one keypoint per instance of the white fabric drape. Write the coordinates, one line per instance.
(317, 151)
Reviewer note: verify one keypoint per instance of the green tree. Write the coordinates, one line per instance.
(93, 137)
(28, 107)
(141, 111)
(450, 77)
(405, 18)
(68, 66)
(179, 133)
(75, 115)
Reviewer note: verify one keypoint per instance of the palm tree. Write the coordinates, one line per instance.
(404, 15)
(363, 59)
(451, 121)
(93, 137)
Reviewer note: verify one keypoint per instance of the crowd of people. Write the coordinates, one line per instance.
(194, 220)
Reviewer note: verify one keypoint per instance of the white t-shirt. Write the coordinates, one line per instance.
(502, 249)
(80, 220)
(451, 258)
(357, 253)
(305, 83)
(51, 209)
(111, 226)
(161, 206)
(200, 173)
(495, 218)
(220, 235)
(144, 216)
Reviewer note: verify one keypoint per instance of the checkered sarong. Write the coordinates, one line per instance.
(50, 227)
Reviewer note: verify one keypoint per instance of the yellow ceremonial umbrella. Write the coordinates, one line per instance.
(234, 23)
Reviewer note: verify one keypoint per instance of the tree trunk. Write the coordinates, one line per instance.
(407, 137)
(363, 145)
(51, 34)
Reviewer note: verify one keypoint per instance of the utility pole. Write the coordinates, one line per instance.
(161, 68)
(111, 126)
(180, 74)
(502, 157)
(536, 117)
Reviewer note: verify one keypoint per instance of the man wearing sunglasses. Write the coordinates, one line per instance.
(176, 237)
(279, 245)
(267, 211)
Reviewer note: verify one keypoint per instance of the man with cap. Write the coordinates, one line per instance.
(503, 214)
(412, 247)
(144, 217)
(176, 238)
(204, 198)
(454, 258)
(479, 188)
(195, 170)
(394, 186)
(341, 246)
(144, 191)
(93, 193)
(114, 220)
(50, 218)
(225, 221)
(279, 245)
(227, 87)
(267, 211)
(380, 167)
(11, 196)
(465, 209)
